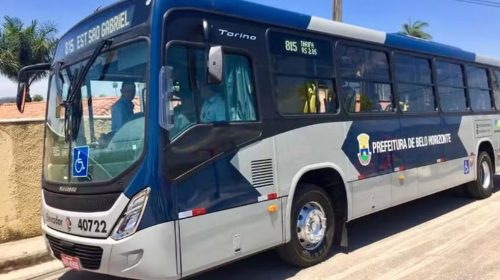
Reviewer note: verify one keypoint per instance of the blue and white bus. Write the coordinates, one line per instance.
(182, 135)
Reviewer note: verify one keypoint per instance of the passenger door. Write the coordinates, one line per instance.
(419, 120)
(223, 190)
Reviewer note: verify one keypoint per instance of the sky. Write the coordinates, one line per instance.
(465, 25)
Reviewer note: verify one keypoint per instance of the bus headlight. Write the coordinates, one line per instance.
(129, 221)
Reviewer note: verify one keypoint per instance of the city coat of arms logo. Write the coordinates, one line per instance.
(364, 155)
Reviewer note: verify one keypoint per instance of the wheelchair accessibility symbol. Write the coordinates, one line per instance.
(466, 167)
(80, 161)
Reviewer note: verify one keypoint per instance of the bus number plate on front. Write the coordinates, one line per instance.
(71, 262)
(89, 225)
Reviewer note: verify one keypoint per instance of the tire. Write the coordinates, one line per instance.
(483, 186)
(305, 250)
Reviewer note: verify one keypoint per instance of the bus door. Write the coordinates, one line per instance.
(372, 142)
(226, 195)
(454, 167)
(420, 158)
(420, 119)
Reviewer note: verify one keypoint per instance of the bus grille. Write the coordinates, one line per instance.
(80, 203)
(262, 173)
(90, 256)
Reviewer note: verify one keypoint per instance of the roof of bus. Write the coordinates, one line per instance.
(262, 13)
(277, 16)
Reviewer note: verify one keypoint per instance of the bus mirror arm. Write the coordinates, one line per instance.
(215, 65)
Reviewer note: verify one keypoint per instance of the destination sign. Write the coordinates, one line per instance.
(94, 34)
(290, 44)
(103, 25)
(304, 47)
(97, 32)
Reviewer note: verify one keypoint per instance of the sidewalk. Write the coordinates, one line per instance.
(23, 253)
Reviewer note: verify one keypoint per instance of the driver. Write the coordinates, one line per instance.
(123, 109)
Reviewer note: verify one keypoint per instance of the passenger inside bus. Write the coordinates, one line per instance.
(123, 109)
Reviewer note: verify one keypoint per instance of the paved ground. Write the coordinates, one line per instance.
(444, 236)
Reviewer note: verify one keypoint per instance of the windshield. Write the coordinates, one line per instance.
(111, 104)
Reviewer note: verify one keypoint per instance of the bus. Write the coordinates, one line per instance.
(183, 135)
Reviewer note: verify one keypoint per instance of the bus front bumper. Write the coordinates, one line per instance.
(148, 254)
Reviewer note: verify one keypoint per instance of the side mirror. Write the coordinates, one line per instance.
(23, 88)
(167, 120)
(23, 95)
(215, 65)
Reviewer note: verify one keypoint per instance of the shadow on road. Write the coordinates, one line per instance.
(362, 232)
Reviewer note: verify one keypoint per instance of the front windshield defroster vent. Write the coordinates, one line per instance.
(262, 173)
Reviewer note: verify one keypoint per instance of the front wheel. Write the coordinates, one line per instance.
(312, 227)
(483, 186)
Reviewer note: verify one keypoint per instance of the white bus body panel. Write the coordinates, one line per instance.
(217, 238)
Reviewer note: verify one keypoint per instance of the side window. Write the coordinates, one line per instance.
(451, 87)
(479, 89)
(195, 101)
(299, 95)
(496, 88)
(303, 74)
(415, 89)
(237, 90)
(366, 84)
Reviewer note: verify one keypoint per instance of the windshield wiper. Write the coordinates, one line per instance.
(73, 103)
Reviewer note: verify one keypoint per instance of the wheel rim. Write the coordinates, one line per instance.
(485, 175)
(311, 225)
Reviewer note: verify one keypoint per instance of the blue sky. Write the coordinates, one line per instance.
(464, 25)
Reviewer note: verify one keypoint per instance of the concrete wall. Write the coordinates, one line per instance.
(21, 147)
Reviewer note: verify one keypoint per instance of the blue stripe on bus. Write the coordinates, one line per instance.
(263, 13)
(249, 10)
(405, 42)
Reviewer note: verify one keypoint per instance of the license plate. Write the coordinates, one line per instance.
(71, 262)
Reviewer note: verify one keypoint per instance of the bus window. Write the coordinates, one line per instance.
(299, 95)
(366, 83)
(496, 88)
(451, 87)
(304, 74)
(195, 101)
(479, 89)
(413, 75)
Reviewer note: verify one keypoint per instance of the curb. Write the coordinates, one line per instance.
(22, 262)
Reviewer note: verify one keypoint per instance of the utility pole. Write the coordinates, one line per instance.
(337, 10)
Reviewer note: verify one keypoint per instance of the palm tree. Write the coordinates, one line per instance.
(415, 30)
(22, 45)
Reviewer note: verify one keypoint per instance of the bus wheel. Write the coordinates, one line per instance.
(312, 226)
(483, 186)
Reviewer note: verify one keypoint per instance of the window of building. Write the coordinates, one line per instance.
(415, 89)
(303, 74)
(366, 84)
(451, 87)
(479, 89)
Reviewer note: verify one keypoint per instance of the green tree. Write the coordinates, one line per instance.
(37, 98)
(415, 29)
(22, 45)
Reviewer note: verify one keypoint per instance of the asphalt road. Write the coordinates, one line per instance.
(444, 236)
